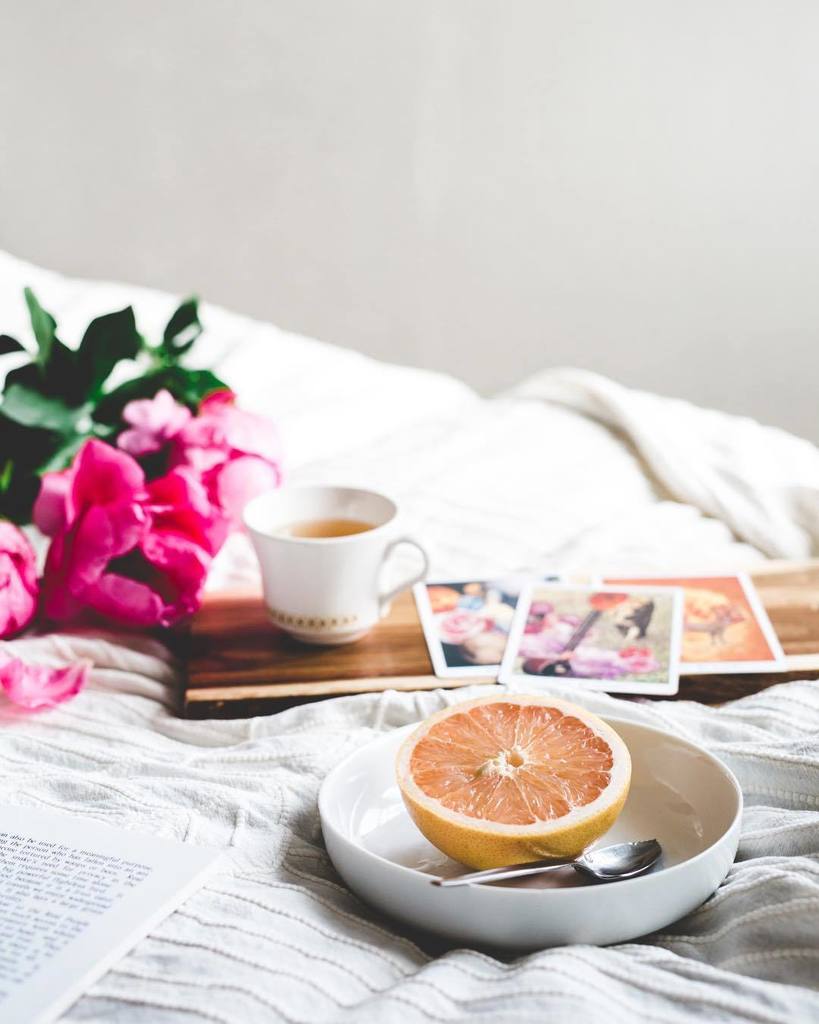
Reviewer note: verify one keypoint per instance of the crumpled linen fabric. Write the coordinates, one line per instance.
(525, 480)
(759, 480)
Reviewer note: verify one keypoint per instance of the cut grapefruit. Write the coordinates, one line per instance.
(505, 780)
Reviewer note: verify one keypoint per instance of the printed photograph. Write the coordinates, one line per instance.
(466, 623)
(725, 626)
(620, 640)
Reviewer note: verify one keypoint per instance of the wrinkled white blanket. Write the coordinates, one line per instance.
(569, 471)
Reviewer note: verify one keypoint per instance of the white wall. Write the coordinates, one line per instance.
(486, 187)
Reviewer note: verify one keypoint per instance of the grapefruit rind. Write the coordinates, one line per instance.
(480, 843)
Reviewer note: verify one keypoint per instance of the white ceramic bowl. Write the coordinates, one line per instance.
(680, 794)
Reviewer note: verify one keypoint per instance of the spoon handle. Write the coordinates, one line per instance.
(534, 867)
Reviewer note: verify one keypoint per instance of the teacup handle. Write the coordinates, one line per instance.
(385, 599)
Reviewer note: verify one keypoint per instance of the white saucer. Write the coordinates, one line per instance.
(680, 794)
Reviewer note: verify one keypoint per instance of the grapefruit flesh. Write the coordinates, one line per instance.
(505, 780)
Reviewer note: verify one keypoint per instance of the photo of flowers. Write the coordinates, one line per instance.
(725, 627)
(621, 640)
(466, 623)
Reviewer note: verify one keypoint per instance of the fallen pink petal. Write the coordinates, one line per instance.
(38, 686)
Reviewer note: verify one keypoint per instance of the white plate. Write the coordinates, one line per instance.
(680, 794)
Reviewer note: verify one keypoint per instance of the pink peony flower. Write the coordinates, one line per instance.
(123, 547)
(138, 550)
(637, 660)
(458, 625)
(546, 644)
(154, 421)
(540, 616)
(236, 454)
(37, 686)
(18, 580)
(590, 662)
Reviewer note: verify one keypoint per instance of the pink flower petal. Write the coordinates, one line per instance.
(103, 474)
(255, 435)
(58, 602)
(179, 503)
(19, 589)
(202, 444)
(137, 442)
(38, 686)
(217, 400)
(18, 546)
(164, 583)
(17, 602)
(76, 560)
(221, 425)
(199, 458)
(182, 567)
(154, 421)
(125, 600)
(242, 479)
(103, 534)
(52, 510)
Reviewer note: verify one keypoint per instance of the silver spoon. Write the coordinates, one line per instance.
(608, 864)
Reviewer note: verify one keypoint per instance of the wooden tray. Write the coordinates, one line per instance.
(239, 664)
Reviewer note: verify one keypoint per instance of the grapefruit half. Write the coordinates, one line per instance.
(505, 780)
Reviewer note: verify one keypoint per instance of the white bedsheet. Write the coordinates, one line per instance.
(567, 471)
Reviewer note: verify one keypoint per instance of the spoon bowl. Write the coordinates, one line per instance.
(622, 860)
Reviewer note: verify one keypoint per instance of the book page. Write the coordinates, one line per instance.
(75, 895)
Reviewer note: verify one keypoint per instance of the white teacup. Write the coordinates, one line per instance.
(326, 589)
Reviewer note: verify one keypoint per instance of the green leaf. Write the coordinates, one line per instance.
(56, 362)
(17, 500)
(25, 450)
(191, 386)
(187, 386)
(64, 454)
(31, 408)
(182, 330)
(44, 326)
(107, 340)
(28, 446)
(9, 344)
(6, 474)
(29, 375)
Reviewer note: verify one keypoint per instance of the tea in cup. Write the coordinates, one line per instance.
(322, 551)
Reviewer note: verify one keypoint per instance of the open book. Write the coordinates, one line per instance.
(75, 896)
